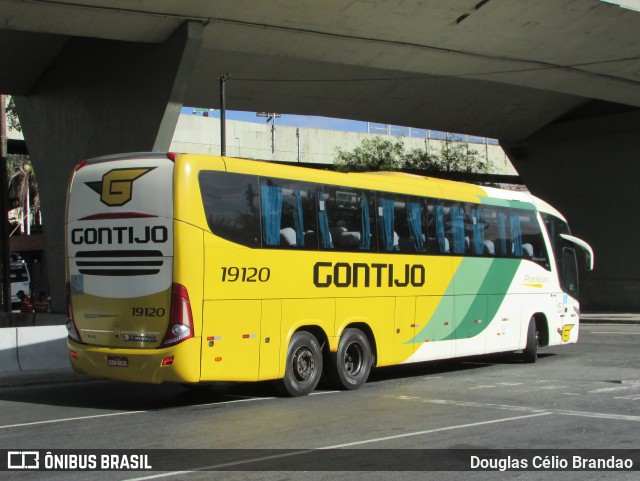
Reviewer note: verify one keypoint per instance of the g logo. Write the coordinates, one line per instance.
(565, 332)
(116, 187)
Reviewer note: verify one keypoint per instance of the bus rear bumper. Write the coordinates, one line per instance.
(179, 363)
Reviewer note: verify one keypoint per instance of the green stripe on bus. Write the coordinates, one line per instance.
(480, 278)
(477, 317)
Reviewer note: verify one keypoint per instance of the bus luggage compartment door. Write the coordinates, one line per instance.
(231, 340)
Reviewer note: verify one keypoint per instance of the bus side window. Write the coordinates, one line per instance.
(532, 241)
(437, 233)
(497, 239)
(480, 246)
(389, 239)
(326, 242)
(416, 227)
(402, 226)
(231, 206)
(345, 219)
(457, 217)
(288, 216)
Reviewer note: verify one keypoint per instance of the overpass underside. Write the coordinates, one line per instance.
(555, 80)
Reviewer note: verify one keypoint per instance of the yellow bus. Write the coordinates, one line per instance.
(191, 269)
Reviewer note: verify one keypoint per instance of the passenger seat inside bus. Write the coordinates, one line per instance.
(288, 237)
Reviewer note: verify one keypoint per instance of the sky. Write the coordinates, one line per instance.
(290, 120)
(315, 122)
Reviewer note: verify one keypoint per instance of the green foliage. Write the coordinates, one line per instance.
(374, 154)
(22, 182)
(377, 154)
(13, 122)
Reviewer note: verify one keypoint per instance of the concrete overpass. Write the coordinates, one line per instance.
(557, 81)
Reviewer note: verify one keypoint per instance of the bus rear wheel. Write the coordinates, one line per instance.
(304, 365)
(530, 352)
(350, 365)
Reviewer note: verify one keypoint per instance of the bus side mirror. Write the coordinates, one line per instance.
(586, 249)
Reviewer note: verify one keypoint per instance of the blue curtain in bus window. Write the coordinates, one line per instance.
(457, 221)
(502, 225)
(271, 213)
(478, 231)
(365, 231)
(386, 225)
(298, 219)
(440, 232)
(516, 236)
(325, 235)
(414, 219)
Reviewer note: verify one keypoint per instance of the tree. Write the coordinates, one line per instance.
(379, 154)
(23, 189)
(374, 154)
(13, 122)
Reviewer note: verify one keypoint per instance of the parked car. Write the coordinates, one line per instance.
(20, 282)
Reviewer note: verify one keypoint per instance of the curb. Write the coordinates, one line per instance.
(627, 319)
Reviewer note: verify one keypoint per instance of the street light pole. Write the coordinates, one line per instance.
(223, 114)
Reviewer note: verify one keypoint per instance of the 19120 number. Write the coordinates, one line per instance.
(245, 274)
(147, 312)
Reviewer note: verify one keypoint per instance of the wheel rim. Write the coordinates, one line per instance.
(304, 364)
(353, 359)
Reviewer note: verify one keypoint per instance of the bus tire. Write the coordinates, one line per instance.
(304, 365)
(350, 365)
(530, 352)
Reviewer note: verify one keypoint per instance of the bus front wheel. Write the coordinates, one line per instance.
(530, 352)
(350, 365)
(304, 365)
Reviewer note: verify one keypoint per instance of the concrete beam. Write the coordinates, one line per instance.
(586, 166)
(100, 97)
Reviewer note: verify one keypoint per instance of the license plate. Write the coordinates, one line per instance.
(117, 361)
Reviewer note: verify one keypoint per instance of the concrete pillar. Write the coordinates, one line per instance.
(100, 97)
(588, 168)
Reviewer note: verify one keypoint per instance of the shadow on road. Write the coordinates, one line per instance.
(121, 396)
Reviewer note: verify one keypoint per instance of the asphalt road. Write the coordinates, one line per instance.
(583, 396)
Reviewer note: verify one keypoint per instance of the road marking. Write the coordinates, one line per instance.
(63, 420)
(437, 430)
(338, 446)
(501, 384)
(508, 407)
(98, 416)
(610, 389)
(546, 388)
(320, 393)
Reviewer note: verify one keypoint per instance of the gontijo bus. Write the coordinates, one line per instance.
(190, 268)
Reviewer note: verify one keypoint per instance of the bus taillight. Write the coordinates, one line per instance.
(71, 325)
(181, 320)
